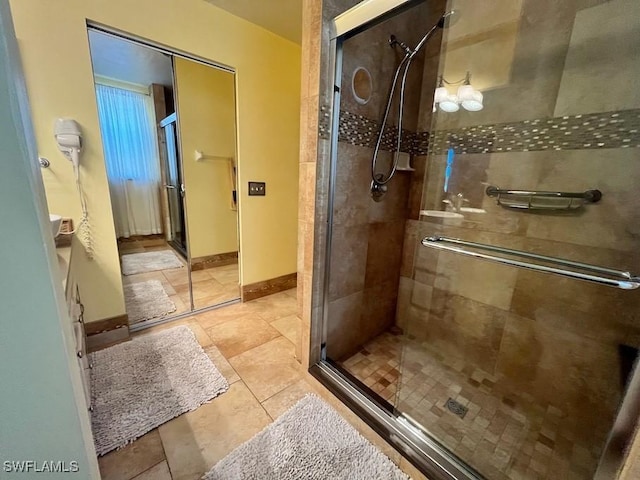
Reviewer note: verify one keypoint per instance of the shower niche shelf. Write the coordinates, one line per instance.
(403, 162)
(542, 200)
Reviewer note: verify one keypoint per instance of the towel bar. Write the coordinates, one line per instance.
(613, 278)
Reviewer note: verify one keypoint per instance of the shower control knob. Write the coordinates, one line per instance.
(378, 190)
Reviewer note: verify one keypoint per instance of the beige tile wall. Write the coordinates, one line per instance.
(600, 39)
(309, 107)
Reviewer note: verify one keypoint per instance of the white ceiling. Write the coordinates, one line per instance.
(128, 62)
(282, 17)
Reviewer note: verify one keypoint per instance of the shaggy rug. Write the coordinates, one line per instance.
(149, 262)
(141, 384)
(310, 441)
(147, 300)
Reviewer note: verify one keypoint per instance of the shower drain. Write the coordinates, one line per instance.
(456, 408)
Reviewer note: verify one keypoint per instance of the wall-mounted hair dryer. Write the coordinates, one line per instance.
(69, 138)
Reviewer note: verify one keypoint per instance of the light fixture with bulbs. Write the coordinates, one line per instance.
(467, 96)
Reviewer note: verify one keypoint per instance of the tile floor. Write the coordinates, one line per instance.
(503, 434)
(252, 344)
(211, 286)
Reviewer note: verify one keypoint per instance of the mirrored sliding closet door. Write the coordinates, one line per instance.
(169, 133)
(206, 115)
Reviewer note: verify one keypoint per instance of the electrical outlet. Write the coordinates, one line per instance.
(257, 188)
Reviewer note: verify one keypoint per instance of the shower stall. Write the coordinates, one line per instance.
(477, 300)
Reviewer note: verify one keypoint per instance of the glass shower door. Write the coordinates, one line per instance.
(510, 359)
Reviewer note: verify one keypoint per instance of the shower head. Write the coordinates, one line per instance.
(445, 21)
(393, 41)
(448, 19)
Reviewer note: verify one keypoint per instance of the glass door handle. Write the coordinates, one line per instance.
(170, 186)
(583, 271)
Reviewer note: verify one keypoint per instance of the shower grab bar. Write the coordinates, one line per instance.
(616, 278)
(590, 195)
(529, 199)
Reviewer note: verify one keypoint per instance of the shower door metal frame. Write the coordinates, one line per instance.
(422, 450)
(169, 124)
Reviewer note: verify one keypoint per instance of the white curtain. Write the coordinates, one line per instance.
(131, 155)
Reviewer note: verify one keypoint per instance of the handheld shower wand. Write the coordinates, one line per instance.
(378, 180)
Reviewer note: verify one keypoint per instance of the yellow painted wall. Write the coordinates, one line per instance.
(207, 116)
(55, 51)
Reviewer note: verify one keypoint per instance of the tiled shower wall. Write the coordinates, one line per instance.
(558, 341)
(367, 236)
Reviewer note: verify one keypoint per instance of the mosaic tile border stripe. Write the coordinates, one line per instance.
(571, 132)
(618, 129)
(361, 131)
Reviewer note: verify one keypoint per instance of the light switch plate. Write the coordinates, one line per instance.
(257, 188)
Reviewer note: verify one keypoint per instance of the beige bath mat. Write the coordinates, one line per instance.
(149, 262)
(310, 441)
(138, 385)
(146, 301)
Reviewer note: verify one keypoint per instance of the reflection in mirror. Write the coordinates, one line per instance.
(134, 92)
(205, 98)
(173, 184)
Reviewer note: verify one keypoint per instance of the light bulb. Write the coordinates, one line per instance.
(470, 98)
(473, 105)
(450, 104)
(441, 95)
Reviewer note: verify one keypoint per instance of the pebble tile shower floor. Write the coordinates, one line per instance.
(503, 435)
